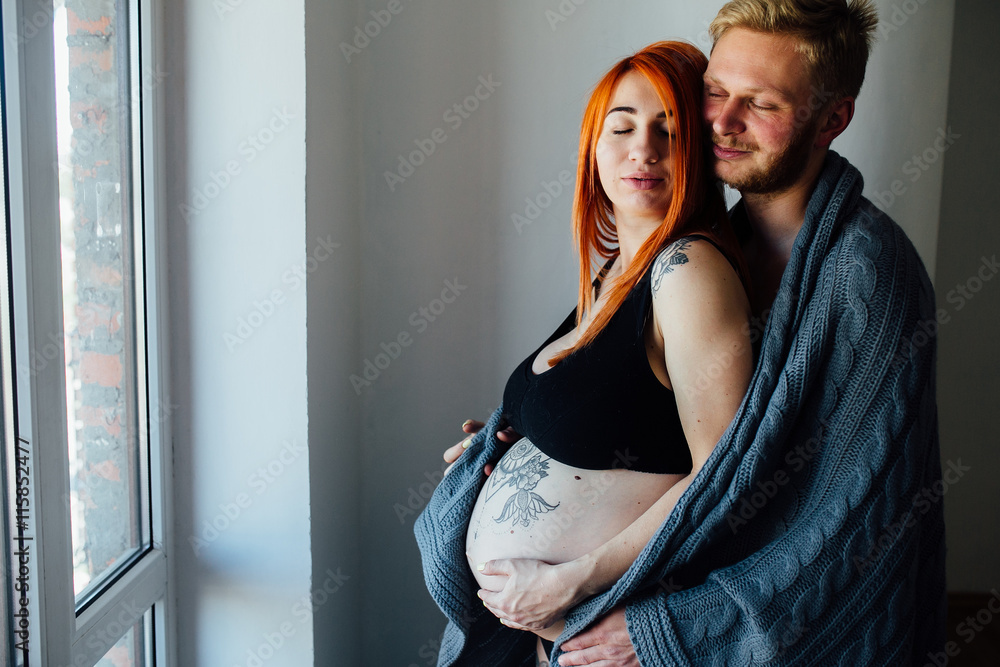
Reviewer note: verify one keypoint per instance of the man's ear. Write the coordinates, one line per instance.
(834, 121)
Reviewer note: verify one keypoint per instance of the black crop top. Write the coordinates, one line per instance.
(601, 407)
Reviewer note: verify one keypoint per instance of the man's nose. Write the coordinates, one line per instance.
(728, 118)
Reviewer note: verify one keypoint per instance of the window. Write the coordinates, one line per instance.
(84, 407)
(10, 592)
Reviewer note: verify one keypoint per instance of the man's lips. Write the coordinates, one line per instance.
(724, 153)
(642, 180)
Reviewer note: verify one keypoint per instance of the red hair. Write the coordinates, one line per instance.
(675, 70)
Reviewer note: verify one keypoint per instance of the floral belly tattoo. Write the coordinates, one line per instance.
(522, 471)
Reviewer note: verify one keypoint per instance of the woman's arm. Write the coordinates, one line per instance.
(699, 343)
(701, 314)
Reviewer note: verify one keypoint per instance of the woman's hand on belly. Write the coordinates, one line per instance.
(533, 594)
(540, 521)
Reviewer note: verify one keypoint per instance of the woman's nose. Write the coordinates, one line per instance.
(645, 148)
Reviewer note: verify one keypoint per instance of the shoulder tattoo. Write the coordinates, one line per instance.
(673, 255)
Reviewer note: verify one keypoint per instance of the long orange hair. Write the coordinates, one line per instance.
(675, 70)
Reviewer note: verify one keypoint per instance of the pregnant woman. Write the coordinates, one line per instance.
(625, 401)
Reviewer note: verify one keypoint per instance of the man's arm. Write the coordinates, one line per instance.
(471, 426)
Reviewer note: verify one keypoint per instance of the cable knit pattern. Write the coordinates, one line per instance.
(805, 539)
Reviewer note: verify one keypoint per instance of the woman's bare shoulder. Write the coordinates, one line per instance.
(691, 263)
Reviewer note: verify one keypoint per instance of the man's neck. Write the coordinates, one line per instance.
(775, 224)
(776, 220)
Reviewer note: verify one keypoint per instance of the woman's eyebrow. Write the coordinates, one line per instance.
(631, 110)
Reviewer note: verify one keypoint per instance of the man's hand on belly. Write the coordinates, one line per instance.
(471, 426)
(534, 594)
(607, 641)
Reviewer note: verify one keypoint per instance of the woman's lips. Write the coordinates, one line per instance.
(727, 153)
(642, 181)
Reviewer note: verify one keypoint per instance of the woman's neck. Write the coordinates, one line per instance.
(631, 235)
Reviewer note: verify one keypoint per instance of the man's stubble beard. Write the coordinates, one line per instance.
(781, 171)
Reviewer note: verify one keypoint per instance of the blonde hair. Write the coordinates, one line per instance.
(834, 36)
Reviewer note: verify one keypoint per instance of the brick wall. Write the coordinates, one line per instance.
(101, 340)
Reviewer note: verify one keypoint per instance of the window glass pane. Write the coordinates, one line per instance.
(107, 498)
(128, 652)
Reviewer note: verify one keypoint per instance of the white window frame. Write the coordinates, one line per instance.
(59, 635)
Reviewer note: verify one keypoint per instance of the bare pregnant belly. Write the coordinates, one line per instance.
(532, 506)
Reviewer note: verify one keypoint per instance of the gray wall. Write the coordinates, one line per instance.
(335, 527)
(969, 243)
(334, 295)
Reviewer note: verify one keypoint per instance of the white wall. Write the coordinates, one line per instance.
(240, 437)
(374, 449)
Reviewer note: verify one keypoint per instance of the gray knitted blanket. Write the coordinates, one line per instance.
(814, 535)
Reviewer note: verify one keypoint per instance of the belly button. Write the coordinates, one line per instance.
(576, 477)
